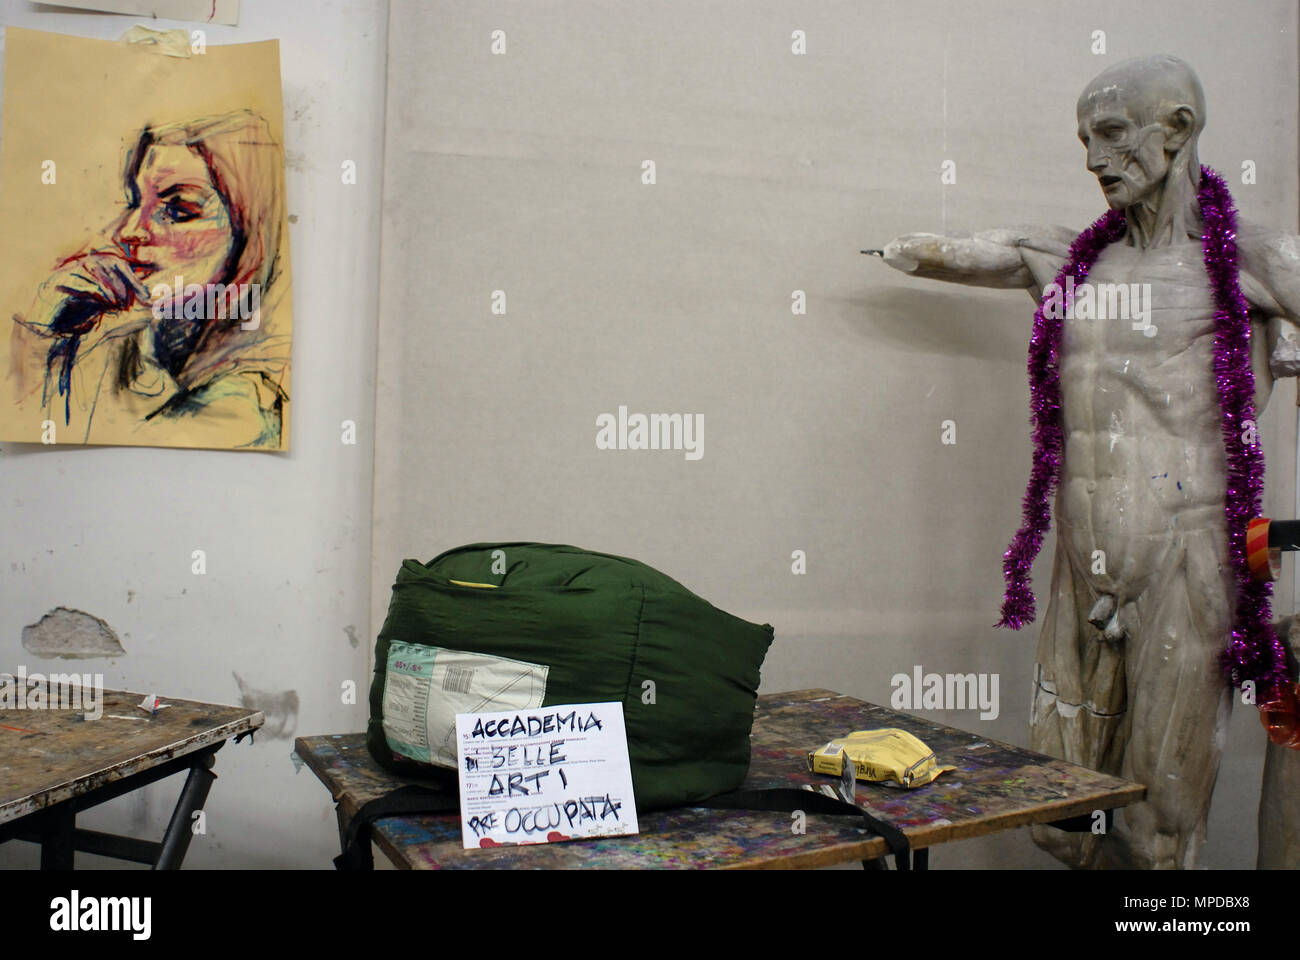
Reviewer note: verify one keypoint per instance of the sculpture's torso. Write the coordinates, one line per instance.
(1144, 456)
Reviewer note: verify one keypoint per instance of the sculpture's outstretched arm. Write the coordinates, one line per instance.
(1013, 258)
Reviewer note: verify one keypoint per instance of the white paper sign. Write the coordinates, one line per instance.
(546, 774)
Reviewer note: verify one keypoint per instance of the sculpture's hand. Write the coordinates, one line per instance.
(989, 259)
(893, 255)
(1284, 349)
(896, 252)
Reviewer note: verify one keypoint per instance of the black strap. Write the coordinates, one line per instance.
(410, 799)
(790, 799)
(1084, 823)
(414, 799)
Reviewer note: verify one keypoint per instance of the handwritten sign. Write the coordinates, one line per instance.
(546, 774)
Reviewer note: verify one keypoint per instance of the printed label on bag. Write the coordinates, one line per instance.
(426, 687)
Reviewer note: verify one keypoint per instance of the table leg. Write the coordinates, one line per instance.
(58, 844)
(176, 841)
(920, 861)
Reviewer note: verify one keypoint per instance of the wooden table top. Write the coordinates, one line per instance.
(47, 756)
(995, 787)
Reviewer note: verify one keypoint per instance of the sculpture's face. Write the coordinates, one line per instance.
(1127, 157)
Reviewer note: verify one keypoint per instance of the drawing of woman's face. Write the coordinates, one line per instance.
(180, 227)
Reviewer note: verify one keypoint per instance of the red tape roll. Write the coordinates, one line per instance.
(1279, 714)
(1264, 564)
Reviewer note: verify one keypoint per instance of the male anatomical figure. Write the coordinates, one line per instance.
(1127, 679)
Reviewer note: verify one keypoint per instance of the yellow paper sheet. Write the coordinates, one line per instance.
(122, 170)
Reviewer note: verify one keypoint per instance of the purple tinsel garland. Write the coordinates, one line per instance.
(1254, 652)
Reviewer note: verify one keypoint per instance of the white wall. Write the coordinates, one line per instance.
(522, 173)
(110, 531)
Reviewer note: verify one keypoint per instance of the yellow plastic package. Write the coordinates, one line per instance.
(889, 755)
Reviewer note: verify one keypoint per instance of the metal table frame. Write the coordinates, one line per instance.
(55, 827)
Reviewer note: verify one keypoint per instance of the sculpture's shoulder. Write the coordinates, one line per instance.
(1050, 239)
(1270, 264)
(1044, 248)
(1268, 247)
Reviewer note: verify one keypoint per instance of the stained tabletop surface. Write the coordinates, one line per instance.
(49, 755)
(995, 787)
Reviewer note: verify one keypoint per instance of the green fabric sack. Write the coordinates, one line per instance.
(566, 625)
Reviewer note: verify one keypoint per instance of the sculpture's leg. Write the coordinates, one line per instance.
(1179, 703)
(1279, 810)
(1077, 712)
(1279, 796)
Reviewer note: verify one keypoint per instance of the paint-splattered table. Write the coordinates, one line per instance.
(995, 787)
(56, 762)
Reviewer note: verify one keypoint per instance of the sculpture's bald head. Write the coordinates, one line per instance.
(1139, 121)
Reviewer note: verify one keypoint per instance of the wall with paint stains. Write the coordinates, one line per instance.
(96, 545)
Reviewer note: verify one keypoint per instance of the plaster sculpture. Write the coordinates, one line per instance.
(1128, 679)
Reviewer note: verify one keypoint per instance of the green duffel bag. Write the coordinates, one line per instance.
(516, 626)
